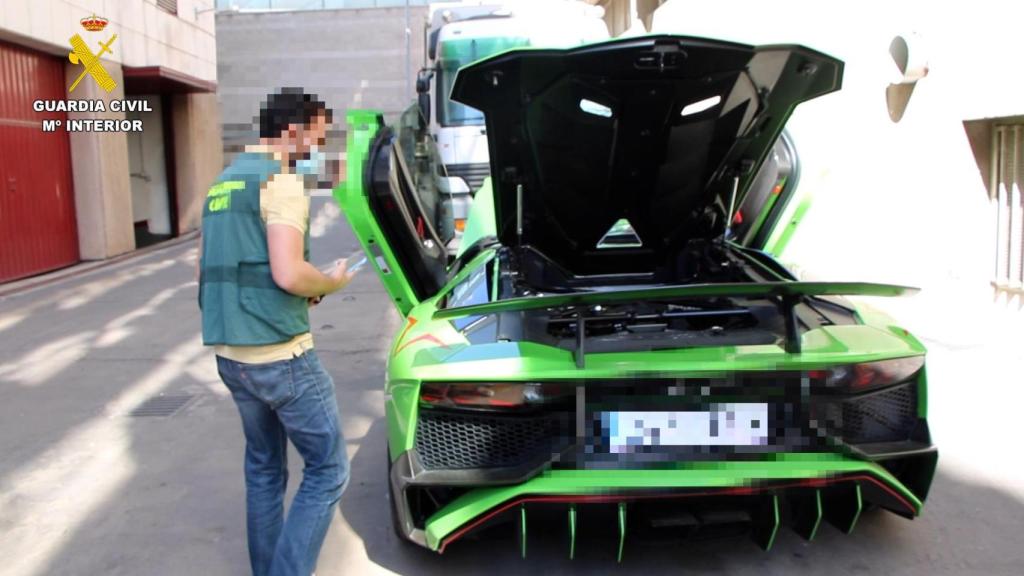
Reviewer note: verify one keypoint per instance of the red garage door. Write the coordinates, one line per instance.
(37, 205)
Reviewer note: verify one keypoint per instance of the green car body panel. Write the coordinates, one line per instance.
(429, 348)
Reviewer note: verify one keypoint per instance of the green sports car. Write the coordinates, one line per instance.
(615, 348)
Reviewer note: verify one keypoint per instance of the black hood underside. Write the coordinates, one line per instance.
(647, 136)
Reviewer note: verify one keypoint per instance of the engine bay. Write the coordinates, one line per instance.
(647, 324)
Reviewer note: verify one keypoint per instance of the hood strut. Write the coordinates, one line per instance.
(581, 335)
(519, 214)
(732, 206)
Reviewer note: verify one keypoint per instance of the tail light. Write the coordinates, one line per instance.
(460, 224)
(490, 395)
(871, 375)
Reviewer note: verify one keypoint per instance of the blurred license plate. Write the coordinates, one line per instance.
(722, 425)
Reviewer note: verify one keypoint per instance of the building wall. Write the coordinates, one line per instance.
(352, 58)
(902, 202)
(99, 164)
(181, 47)
(197, 151)
(147, 35)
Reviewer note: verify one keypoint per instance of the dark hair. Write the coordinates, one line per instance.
(289, 106)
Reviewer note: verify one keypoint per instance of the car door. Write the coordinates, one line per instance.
(772, 208)
(392, 217)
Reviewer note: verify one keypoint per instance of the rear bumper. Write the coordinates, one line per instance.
(806, 487)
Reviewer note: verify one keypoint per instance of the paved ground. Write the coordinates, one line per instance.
(85, 488)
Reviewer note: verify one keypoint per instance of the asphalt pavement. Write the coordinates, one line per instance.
(121, 451)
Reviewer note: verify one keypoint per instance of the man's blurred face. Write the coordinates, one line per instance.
(303, 138)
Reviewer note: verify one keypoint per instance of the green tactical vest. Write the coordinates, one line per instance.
(241, 304)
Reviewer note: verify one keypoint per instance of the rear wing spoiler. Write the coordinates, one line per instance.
(781, 289)
(786, 293)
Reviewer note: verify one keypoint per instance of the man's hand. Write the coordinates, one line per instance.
(341, 274)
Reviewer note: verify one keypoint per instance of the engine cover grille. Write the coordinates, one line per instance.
(461, 441)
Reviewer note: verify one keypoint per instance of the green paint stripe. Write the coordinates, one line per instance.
(622, 528)
(572, 531)
(860, 507)
(817, 499)
(775, 526)
(522, 527)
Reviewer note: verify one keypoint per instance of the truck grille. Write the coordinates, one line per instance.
(473, 174)
(460, 441)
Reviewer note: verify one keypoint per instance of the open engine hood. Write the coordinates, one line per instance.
(608, 158)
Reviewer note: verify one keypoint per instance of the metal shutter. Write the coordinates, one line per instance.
(37, 205)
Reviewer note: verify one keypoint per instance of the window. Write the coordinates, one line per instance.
(474, 289)
(168, 5)
(1005, 196)
(450, 112)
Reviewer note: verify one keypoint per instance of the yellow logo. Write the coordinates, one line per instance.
(81, 54)
(220, 194)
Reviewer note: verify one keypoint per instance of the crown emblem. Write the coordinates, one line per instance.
(94, 23)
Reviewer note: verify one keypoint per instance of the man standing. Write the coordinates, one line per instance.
(255, 288)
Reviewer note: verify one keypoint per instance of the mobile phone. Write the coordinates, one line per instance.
(360, 261)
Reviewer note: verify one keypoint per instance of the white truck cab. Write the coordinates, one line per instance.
(461, 33)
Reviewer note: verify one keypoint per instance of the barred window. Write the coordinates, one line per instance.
(1006, 180)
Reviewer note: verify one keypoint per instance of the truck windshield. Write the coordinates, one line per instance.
(449, 112)
(455, 54)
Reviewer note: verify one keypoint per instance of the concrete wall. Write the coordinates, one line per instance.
(197, 153)
(899, 202)
(146, 35)
(350, 58)
(99, 168)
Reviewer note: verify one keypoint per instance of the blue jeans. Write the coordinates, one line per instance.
(280, 401)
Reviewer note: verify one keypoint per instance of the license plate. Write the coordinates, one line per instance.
(722, 425)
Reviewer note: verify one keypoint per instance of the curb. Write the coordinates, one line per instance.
(75, 270)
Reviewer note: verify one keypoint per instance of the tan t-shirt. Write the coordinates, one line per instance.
(283, 200)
